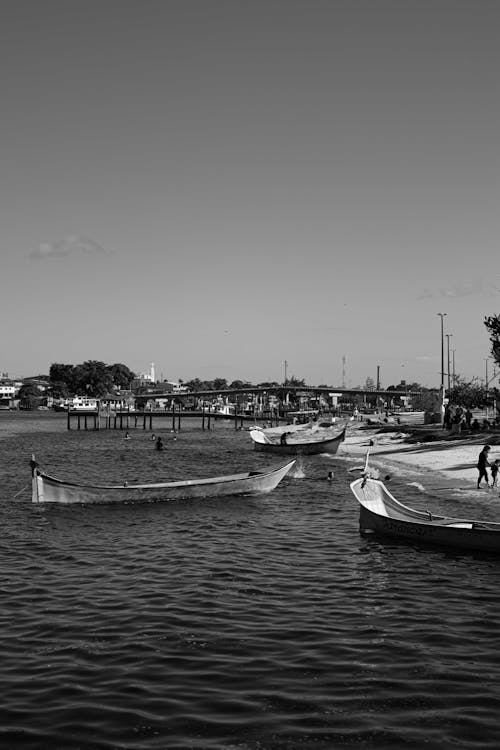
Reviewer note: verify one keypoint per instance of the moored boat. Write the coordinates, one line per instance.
(298, 441)
(380, 512)
(78, 403)
(48, 489)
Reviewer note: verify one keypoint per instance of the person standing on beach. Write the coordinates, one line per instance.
(494, 471)
(468, 418)
(482, 463)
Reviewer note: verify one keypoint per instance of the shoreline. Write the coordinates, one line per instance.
(425, 451)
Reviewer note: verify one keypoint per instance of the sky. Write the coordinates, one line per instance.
(249, 189)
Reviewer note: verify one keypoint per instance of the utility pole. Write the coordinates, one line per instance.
(442, 316)
(286, 365)
(486, 387)
(487, 382)
(448, 337)
(343, 371)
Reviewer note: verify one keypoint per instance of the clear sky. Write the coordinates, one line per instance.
(220, 186)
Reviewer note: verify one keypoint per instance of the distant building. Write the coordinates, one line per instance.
(145, 378)
(42, 382)
(8, 390)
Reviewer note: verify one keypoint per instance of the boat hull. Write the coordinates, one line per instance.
(381, 513)
(47, 489)
(296, 444)
(463, 537)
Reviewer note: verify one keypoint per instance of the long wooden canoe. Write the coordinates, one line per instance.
(298, 442)
(48, 489)
(380, 512)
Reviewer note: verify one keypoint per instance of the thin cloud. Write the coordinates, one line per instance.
(479, 287)
(72, 245)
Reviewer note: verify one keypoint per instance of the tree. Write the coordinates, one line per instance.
(60, 373)
(92, 378)
(469, 394)
(220, 384)
(196, 385)
(59, 389)
(121, 375)
(29, 396)
(239, 384)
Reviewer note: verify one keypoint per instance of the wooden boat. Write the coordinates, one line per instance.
(299, 441)
(48, 489)
(380, 512)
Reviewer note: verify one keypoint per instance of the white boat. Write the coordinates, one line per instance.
(294, 440)
(80, 403)
(48, 489)
(381, 513)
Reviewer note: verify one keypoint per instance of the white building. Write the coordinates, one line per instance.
(148, 377)
(8, 390)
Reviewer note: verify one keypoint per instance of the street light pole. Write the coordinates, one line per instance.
(486, 387)
(442, 316)
(448, 337)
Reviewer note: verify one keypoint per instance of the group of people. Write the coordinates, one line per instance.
(456, 415)
(158, 441)
(464, 419)
(483, 463)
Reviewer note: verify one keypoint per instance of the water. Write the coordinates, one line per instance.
(237, 623)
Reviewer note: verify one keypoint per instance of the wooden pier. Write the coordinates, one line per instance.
(127, 420)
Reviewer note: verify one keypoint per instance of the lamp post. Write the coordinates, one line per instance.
(448, 337)
(442, 316)
(486, 386)
(487, 382)
(442, 410)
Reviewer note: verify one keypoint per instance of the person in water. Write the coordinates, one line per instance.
(159, 444)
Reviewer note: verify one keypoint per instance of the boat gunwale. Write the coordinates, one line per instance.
(224, 479)
(291, 443)
(413, 517)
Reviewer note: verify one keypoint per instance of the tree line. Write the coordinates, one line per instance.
(96, 379)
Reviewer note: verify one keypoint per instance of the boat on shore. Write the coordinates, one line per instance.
(381, 513)
(48, 489)
(294, 441)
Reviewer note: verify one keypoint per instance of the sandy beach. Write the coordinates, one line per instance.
(441, 461)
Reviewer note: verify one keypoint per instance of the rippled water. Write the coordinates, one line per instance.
(238, 623)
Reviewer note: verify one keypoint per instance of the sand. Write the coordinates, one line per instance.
(451, 462)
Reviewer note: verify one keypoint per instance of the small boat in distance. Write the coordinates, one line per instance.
(302, 441)
(381, 513)
(48, 489)
(78, 403)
